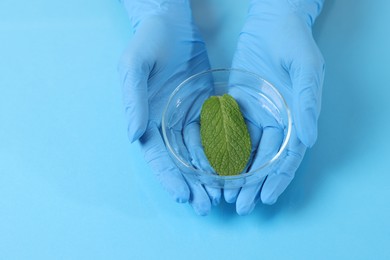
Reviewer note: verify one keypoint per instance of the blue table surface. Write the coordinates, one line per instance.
(73, 187)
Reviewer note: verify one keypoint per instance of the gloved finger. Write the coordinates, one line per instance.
(199, 198)
(255, 133)
(134, 72)
(277, 182)
(232, 189)
(230, 195)
(307, 77)
(214, 194)
(198, 158)
(193, 143)
(269, 145)
(248, 197)
(157, 157)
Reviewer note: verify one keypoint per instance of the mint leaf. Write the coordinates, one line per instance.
(224, 134)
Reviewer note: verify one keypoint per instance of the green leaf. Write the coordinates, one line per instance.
(224, 134)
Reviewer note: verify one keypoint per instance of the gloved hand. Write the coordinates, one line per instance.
(276, 42)
(165, 50)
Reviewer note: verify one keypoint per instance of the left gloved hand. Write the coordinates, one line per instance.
(277, 43)
(165, 50)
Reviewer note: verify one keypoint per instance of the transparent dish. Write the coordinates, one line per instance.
(261, 104)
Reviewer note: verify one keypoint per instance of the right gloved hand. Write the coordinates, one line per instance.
(276, 42)
(165, 50)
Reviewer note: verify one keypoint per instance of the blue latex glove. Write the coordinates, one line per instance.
(276, 42)
(165, 50)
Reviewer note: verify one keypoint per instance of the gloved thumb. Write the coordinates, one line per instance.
(134, 74)
(307, 79)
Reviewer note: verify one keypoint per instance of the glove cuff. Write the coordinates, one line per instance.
(141, 9)
(308, 9)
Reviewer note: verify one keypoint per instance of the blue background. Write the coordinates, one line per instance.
(72, 187)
